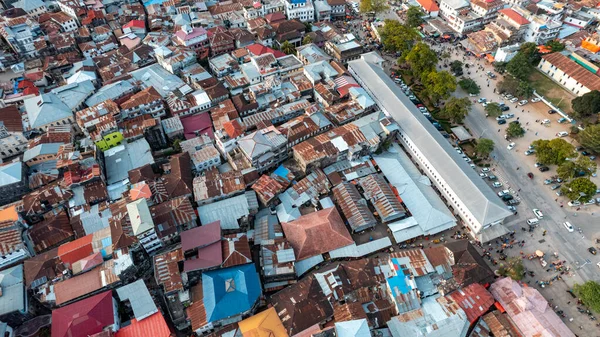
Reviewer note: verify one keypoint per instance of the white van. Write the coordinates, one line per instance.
(533, 222)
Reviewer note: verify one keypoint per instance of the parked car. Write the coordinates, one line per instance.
(551, 111)
(507, 197)
(568, 226)
(514, 99)
(503, 192)
(513, 202)
(483, 175)
(529, 152)
(511, 146)
(538, 213)
(512, 208)
(533, 222)
(481, 100)
(523, 102)
(535, 100)
(562, 134)
(497, 184)
(502, 122)
(555, 187)
(485, 170)
(592, 250)
(574, 203)
(544, 168)
(504, 108)
(548, 181)
(492, 177)
(562, 120)
(538, 164)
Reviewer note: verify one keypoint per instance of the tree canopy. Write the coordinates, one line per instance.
(469, 86)
(532, 52)
(553, 152)
(375, 6)
(515, 130)
(414, 16)
(589, 138)
(586, 105)
(421, 59)
(397, 37)
(438, 84)
(524, 89)
(582, 189)
(456, 67)
(288, 48)
(484, 147)
(513, 268)
(307, 40)
(589, 293)
(572, 168)
(499, 67)
(555, 46)
(508, 85)
(493, 109)
(456, 109)
(519, 66)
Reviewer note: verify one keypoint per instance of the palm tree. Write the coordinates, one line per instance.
(307, 40)
(288, 48)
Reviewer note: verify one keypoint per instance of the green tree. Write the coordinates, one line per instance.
(307, 40)
(499, 67)
(519, 66)
(493, 110)
(553, 152)
(469, 86)
(531, 51)
(513, 268)
(579, 189)
(456, 67)
(397, 37)
(555, 46)
(438, 85)
(508, 85)
(515, 130)
(589, 293)
(307, 27)
(455, 109)
(288, 48)
(177, 144)
(421, 59)
(414, 16)
(589, 138)
(524, 89)
(373, 6)
(484, 147)
(586, 105)
(571, 168)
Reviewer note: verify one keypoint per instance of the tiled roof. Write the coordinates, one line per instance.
(171, 215)
(76, 250)
(166, 270)
(86, 283)
(84, 318)
(574, 70)
(42, 265)
(267, 188)
(514, 16)
(317, 233)
(11, 118)
(145, 96)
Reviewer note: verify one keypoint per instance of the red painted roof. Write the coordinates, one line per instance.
(475, 300)
(201, 236)
(429, 5)
(74, 251)
(84, 318)
(135, 23)
(200, 123)
(258, 49)
(25, 84)
(516, 17)
(154, 326)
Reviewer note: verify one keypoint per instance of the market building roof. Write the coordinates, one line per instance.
(84, 318)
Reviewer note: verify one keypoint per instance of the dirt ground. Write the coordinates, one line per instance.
(552, 91)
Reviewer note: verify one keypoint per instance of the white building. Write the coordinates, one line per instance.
(206, 158)
(33, 8)
(568, 73)
(12, 141)
(466, 193)
(302, 10)
(541, 28)
(143, 225)
(458, 15)
(505, 54)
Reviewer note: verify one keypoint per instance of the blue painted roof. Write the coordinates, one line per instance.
(230, 291)
(298, 1)
(398, 282)
(282, 172)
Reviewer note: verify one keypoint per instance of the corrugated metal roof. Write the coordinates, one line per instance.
(13, 290)
(361, 250)
(479, 198)
(139, 298)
